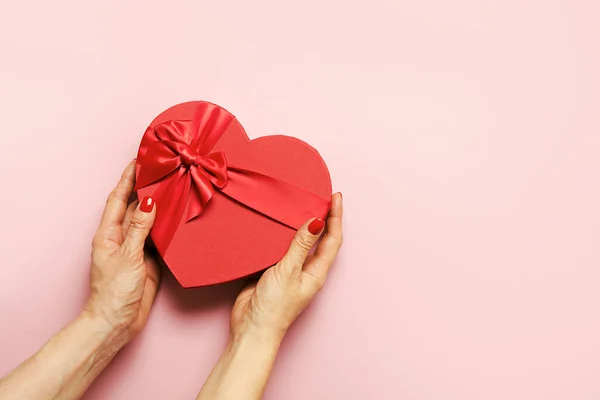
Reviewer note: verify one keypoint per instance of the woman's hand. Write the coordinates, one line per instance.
(123, 284)
(264, 311)
(272, 304)
(124, 277)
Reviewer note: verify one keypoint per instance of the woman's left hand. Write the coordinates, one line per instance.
(124, 277)
(124, 280)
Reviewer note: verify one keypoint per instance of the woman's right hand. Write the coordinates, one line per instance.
(264, 310)
(268, 307)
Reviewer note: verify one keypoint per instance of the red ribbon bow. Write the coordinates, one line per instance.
(179, 156)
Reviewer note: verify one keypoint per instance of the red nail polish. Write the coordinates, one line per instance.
(147, 204)
(316, 226)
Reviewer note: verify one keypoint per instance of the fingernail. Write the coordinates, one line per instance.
(147, 204)
(341, 195)
(316, 226)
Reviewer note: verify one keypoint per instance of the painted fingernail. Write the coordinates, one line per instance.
(316, 226)
(147, 204)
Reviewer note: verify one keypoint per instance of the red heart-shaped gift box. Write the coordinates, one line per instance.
(227, 206)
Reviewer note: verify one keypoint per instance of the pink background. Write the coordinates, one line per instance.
(464, 135)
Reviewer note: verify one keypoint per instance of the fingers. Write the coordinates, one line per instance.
(330, 245)
(303, 241)
(118, 198)
(140, 225)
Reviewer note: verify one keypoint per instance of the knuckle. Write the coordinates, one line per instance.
(317, 282)
(95, 242)
(116, 195)
(338, 239)
(94, 255)
(98, 253)
(137, 222)
(304, 243)
(96, 258)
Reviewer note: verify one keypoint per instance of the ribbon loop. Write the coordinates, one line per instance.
(215, 165)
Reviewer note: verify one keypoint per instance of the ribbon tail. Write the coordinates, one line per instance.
(171, 198)
(273, 198)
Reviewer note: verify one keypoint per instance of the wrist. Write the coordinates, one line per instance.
(257, 341)
(244, 366)
(101, 313)
(102, 340)
(105, 329)
(258, 336)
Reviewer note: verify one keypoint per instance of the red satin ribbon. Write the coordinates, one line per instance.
(180, 158)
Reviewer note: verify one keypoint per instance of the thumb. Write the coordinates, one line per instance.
(301, 245)
(140, 225)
